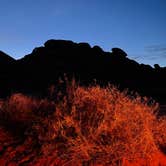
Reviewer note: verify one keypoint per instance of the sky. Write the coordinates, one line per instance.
(136, 26)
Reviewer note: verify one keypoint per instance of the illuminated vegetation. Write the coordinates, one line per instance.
(89, 126)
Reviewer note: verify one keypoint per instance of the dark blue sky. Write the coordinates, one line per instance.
(136, 26)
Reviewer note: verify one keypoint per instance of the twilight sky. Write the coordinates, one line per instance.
(136, 26)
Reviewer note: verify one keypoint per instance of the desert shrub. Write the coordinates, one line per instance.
(89, 126)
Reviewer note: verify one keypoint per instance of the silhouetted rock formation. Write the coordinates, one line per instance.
(119, 52)
(157, 67)
(34, 73)
(5, 62)
(6, 68)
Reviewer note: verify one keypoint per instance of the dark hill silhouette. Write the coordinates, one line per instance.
(34, 73)
(5, 60)
(6, 67)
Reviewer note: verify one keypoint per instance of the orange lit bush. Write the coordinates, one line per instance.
(90, 126)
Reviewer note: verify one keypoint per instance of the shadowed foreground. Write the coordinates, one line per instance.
(89, 126)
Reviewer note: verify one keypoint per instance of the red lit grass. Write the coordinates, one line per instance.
(90, 126)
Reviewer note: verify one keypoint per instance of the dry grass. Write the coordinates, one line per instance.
(90, 126)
